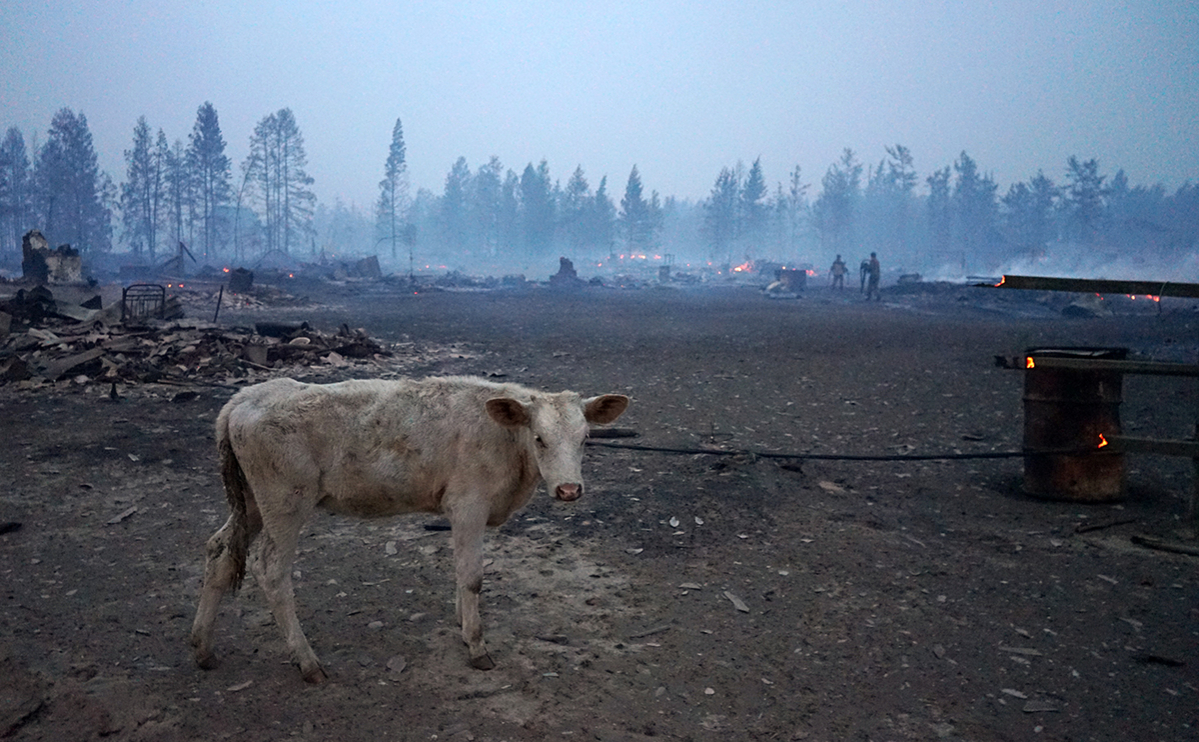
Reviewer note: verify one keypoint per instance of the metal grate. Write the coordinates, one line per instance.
(143, 301)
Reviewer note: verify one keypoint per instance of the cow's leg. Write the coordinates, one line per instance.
(220, 575)
(272, 569)
(467, 527)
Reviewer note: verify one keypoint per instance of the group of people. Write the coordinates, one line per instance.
(869, 272)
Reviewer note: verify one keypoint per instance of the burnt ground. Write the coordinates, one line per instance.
(883, 600)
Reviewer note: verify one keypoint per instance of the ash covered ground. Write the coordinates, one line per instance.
(687, 596)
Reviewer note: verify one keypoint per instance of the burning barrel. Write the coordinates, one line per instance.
(1075, 408)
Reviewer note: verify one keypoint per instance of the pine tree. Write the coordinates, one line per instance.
(455, 223)
(721, 214)
(72, 192)
(299, 202)
(975, 211)
(752, 208)
(141, 194)
(509, 220)
(486, 205)
(210, 174)
(178, 191)
(902, 181)
(537, 204)
(796, 207)
(603, 218)
(16, 191)
(835, 210)
(576, 211)
(940, 212)
(634, 218)
(1084, 197)
(393, 191)
(1029, 212)
(275, 173)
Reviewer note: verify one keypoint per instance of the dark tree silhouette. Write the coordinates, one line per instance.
(393, 192)
(209, 176)
(16, 191)
(73, 194)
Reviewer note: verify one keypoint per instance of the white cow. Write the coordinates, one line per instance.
(463, 447)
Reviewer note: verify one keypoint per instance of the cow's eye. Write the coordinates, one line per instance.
(539, 441)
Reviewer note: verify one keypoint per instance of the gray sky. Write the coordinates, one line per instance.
(680, 89)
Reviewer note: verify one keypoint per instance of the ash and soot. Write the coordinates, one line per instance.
(820, 531)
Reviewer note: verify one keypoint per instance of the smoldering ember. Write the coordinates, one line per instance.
(960, 512)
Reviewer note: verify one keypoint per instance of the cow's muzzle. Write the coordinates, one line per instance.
(568, 492)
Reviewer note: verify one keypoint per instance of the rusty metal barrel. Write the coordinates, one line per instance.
(1072, 409)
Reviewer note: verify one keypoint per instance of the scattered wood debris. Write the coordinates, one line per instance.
(650, 632)
(122, 516)
(50, 340)
(737, 602)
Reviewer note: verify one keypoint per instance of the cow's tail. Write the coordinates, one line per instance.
(237, 489)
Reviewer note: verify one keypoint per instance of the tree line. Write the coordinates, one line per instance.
(180, 192)
(186, 192)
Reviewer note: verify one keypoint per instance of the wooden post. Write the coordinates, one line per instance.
(220, 295)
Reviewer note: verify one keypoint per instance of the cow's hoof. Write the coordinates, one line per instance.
(316, 676)
(207, 662)
(482, 662)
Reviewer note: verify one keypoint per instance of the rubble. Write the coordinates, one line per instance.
(48, 340)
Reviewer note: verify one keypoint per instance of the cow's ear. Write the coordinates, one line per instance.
(605, 408)
(508, 412)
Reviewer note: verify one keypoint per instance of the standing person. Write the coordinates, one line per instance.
(874, 273)
(863, 272)
(838, 272)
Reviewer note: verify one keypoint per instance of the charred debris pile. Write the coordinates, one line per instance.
(47, 336)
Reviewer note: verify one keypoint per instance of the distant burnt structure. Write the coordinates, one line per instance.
(42, 265)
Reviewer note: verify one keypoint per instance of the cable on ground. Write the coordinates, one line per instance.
(847, 457)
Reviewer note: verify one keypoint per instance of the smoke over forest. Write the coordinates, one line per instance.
(1078, 218)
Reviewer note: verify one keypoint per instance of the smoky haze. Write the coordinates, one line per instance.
(918, 131)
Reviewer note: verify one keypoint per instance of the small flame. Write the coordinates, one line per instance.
(741, 268)
(1102, 441)
(1029, 363)
(1001, 280)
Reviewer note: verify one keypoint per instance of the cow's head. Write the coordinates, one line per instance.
(557, 424)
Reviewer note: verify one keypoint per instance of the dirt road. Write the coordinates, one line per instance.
(688, 596)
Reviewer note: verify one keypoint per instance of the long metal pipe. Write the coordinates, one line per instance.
(1098, 286)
